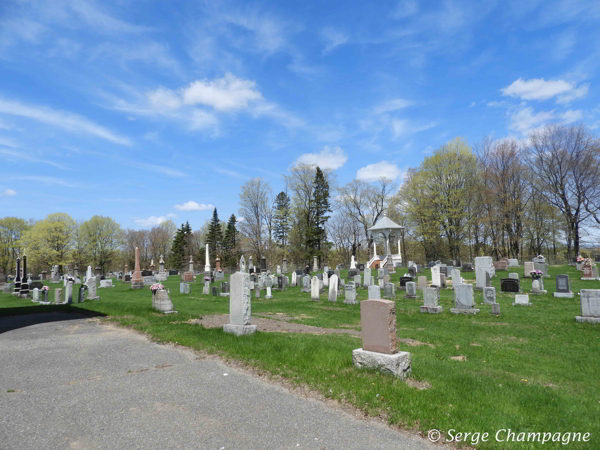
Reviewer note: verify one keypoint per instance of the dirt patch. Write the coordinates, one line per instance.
(271, 326)
(419, 385)
(458, 358)
(551, 385)
(413, 343)
(475, 344)
(282, 316)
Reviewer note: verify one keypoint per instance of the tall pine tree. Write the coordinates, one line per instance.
(230, 243)
(282, 218)
(181, 246)
(215, 237)
(319, 207)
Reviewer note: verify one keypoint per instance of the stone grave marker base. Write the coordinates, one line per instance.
(397, 364)
(563, 294)
(239, 330)
(464, 311)
(137, 284)
(432, 309)
(584, 319)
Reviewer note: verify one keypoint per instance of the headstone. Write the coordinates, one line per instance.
(350, 294)
(374, 292)
(430, 301)
(467, 267)
(106, 283)
(314, 290)
(389, 291)
(333, 288)
(148, 281)
(486, 263)
(463, 300)
(435, 276)
(225, 288)
(513, 262)
(501, 265)
(510, 285)
(294, 278)
(162, 302)
(35, 295)
(215, 291)
(563, 287)
(305, 284)
(456, 279)
(537, 287)
(240, 306)
(82, 291)
(326, 279)
(482, 279)
(184, 288)
(57, 296)
(269, 293)
(137, 282)
(513, 275)
(489, 295)
(219, 275)
(356, 280)
(92, 289)
(528, 268)
(495, 309)
(522, 299)
(315, 264)
(367, 276)
(411, 290)
(590, 306)
(378, 323)
(422, 282)
(403, 281)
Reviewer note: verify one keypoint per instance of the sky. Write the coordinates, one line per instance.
(150, 110)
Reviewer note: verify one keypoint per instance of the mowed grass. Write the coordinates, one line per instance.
(532, 369)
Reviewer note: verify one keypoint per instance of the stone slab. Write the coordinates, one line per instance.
(432, 309)
(582, 319)
(563, 294)
(399, 364)
(239, 330)
(464, 311)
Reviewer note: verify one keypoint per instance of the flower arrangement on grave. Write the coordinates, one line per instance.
(155, 287)
(589, 262)
(45, 288)
(535, 274)
(580, 259)
(206, 279)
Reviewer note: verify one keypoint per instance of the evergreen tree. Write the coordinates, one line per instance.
(215, 237)
(319, 207)
(230, 242)
(282, 218)
(181, 246)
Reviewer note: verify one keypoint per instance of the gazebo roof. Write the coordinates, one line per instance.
(385, 223)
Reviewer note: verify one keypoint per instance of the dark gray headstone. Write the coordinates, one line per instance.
(563, 284)
(510, 285)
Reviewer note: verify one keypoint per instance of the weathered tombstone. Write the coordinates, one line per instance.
(422, 282)
(35, 295)
(305, 284)
(333, 288)
(356, 280)
(162, 302)
(463, 300)
(256, 292)
(240, 306)
(411, 290)
(106, 283)
(92, 289)
(315, 290)
(467, 267)
(528, 268)
(389, 290)
(537, 287)
(57, 296)
(455, 274)
(294, 278)
(350, 294)
(495, 309)
(378, 323)
(513, 275)
(444, 269)
(430, 301)
(367, 276)
(149, 281)
(82, 290)
(215, 291)
(435, 276)
(184, 288)
(442, 281)
(374, 292)
(315, 264)
(590, 306)
(269, 293)
(412, 271)
(225, 288)
(137, 282)
(513, 262)
(482, 279)
(501, 265)
(522, 299)
(563, 287)
(486, 263)
(326, 279)
(489, 295)
(510, 285)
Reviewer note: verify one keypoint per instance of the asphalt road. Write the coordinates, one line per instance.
(82, 385)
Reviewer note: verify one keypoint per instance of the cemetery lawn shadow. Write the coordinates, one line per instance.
(532, 369)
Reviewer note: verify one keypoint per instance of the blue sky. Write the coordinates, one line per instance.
(145, 110)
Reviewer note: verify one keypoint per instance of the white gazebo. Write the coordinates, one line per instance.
(387, 227)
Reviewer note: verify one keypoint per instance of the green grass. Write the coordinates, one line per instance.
(533, 369)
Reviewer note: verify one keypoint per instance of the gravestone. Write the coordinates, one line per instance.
(269, 293)
(357, 280)
(37, 284)
(522, 299)
(184, 288)
(412, 271)
(389, 291)
(92, 289)
(528, 268)
(215, 291)
(374, 292)
(82, 291)
(455, 274)
(436, 276)
(367, 276)
(378, 324)
(489, 295)
(240, 306)
(57, 296)
(333, 288)
(537, 287)
(403, 281)
(463, 300)
(486, 263)
(257, 292)
(501, 265)
(350, 294)
(411, 290)
(513, 275)
(326, 279)
(294, 278)
(510, 285)
(305, 284)
(482, 279)
(590, 306)
(35, 295)
(315, 290)
(422, 282)
(430, 301)
(106, 283)
(513, 262)
(467, 267)
(563, 287)
(444, 269)
(149, 281)
(495, 309)
(162, 302)
(173, 272)
(443, 281)
(225, 288)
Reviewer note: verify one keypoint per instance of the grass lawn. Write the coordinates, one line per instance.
(532, 369)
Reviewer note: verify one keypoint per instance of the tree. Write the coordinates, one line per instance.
(49, 242)
(230, 243)
(214, 238)
(319, 207)
(102, 237)
(160, 239)
(11, 231)
(282, 218)
(181, 247)
(254, 201)
(564, 163)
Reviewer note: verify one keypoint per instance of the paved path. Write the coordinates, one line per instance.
(81, 385)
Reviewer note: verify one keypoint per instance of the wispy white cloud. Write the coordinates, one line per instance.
(21, 156)
(392, 105)
(540, 89)
(61, 119)
(154, 220)
(403, 127)
(229, 93)
(382, 169)
(8, 193)
(49, 181)
(231, 173)
(524, 120)
(571, 116)
(333, 38)
(328, 158)
(193, 206)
